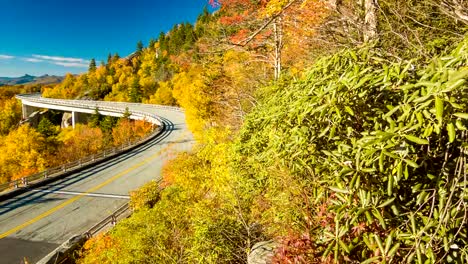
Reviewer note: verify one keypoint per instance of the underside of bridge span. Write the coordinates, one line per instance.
(73, 117)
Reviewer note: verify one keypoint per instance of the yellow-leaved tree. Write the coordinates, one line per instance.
(163, 95)
(10, 115)
(22, 152)
(193, 95)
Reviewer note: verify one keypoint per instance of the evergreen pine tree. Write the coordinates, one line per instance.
(47, 128)
(151, 43)
(126, 114)
(95, 119)
(140, 47)
(109, 59)
(92, 65)
(135, 91)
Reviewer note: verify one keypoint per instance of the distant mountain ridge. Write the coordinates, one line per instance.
(30, 79)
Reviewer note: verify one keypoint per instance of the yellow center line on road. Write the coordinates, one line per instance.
(93, 189)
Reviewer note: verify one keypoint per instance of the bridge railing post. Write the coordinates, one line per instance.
(24, 181)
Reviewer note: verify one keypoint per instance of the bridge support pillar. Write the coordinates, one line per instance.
(74, 118)
(78, 117)
(28, 110)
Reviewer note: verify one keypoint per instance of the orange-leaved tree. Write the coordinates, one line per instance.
(79, 142)
(272, 29)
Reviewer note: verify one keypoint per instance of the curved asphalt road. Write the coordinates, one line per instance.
(36, 222)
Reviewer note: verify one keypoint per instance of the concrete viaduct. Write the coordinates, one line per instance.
(80, 108)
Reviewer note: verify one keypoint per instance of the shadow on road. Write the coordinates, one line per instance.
(32, 251)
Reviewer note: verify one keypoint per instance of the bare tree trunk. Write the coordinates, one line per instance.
(370, 20)
(278, 31)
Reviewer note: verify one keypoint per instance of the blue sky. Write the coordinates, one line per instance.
(58, 36)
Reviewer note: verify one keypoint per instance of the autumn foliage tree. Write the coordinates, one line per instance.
(269, 28)
(22, 152)
(79, 142)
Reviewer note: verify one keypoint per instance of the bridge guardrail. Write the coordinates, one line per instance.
(121, 213)
(91, 104)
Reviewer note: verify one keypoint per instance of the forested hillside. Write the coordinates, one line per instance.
(25, 149)
(334, 129)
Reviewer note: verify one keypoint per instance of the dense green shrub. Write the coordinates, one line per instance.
(382, 148)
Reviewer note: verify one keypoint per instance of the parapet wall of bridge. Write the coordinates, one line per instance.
(80, 109)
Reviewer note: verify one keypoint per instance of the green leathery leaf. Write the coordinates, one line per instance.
(421, 198)
(387, 202)
(437, 129)
(461, 115)
(427, 114)
(416, 140)
(343, 245)
(349, 110)
(411, 163)
(388, 242)
(330, 246)
(460, 74)
(428, 131)
(379, 217)
(454, 85)
(324, 132)
(368, 217)
(353, 55)
(411, 257)
(451, 132)
(390, 185)
(379, 243)
(353, 180)
(420, 118)
(391, 155)
(381, 161)
(439, 107)
(391, 112)
(399, 170)
(359, 212)
(345, 171)
(413, 223)
(460, 125)
(332, 132)
(421, 99)
(393, 250)
(446, 245)
(338, 190)
(371, 260)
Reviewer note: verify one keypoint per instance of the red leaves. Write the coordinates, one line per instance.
(231, 20)
(214, 3)
(297, 249)
(239, 36)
